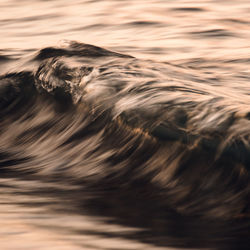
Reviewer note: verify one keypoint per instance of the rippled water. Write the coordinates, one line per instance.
(145, 148)
(159, 30)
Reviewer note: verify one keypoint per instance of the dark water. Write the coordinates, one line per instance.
(140, 143)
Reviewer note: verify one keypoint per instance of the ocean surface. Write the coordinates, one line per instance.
(124, 124)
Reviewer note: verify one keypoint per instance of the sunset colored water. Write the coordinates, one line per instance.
(124, 124)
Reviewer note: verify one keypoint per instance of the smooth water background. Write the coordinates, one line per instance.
(162, 30)
(210, 35)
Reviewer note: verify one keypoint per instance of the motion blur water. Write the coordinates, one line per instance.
(156, 29)
(55, 194)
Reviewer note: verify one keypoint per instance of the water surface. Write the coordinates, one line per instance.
(144, 145)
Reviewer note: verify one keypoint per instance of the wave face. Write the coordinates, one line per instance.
(151, 149)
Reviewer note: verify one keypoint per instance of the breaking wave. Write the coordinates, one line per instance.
(150, 145)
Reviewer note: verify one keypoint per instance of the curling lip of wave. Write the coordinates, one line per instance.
(109, 118)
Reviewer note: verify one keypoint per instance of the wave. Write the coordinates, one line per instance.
(157, 135)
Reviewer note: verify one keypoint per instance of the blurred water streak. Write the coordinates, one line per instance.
(211, 37)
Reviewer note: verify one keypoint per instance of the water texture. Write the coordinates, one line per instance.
(124, 124)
